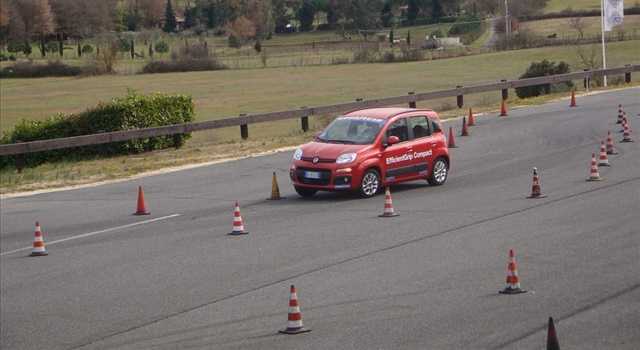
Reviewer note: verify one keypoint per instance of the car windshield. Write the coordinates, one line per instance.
(352, 130)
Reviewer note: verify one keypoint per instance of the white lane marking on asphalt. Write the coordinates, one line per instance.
(84, 235)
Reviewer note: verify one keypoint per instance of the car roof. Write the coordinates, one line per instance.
(384, 112)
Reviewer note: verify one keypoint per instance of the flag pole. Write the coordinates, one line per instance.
(604, 51)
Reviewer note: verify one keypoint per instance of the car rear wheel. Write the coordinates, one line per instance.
(305, 192)
(439, 172)
(370, 184)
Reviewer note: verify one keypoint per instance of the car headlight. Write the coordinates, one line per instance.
(346, 158)
(297, 155)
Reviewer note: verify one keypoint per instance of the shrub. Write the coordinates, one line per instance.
(52, 46)
(437, 33)
(133, 111)
(539, 69)
(87, 49)
(31, 70)
(162, 47)
(364, 55)
(410, 55)
(389, 57)
(464, 25)
(15, 46)
(234, 42)
(3, 57)
(183, 65)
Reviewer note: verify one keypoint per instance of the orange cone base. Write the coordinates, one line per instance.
(295, 330)
(626, 141)
(238, 233)
(512, 291)
(614, 152)
(39, 254)
(388, 215)
(604, 164)
(142, 213)
(532, 196)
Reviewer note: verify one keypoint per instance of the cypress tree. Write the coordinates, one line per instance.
(170, 23)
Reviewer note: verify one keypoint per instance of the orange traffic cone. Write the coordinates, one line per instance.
(624, 122)
(626, 136)
(513, 282)
(552, 337)
(472, 120)
(388, 205)
(503, 109)
(294, 322)
(620, 112)
(573, 99)
(142, 209)
(38, 243)
(536, 190)
(603, 160)
(275, 189)
(238, 226)
(452, 140)
(594, 175)
(464, 131)
(610, 148)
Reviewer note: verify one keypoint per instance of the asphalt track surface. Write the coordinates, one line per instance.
(428, 279)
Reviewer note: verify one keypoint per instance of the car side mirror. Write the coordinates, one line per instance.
(392, 140)
(436, 128)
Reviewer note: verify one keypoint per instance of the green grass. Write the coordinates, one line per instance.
(561, 26)
(228, 93)
(559, 5)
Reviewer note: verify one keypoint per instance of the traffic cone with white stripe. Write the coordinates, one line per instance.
(552, 337)
(610, 148)
(472, 120)
(603, 159)
(626, 136)
(294, 322)
(624, 122)
(594, 175)
(536, 190)
(388, 205)
(513, 281)
(38, 243)
(465, 131)
(238, 226)
(503, 109)
(452, 139)
(620, 111)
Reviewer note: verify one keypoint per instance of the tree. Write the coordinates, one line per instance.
(82, 19)
(33, 19)
(170, 23)
(387, 14)
(391, 38)
(413, 8)
(306, 14)
(578, 25)
(436, 10)
(409, 38)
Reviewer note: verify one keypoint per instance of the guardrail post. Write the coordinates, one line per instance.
(586, 81)
(460, 98)
(359, 99)
(627, 75)
(412, 101)
(505, 92)
(244, 129)
(304, 121)
(20, 161)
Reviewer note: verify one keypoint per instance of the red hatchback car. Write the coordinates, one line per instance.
(368, 149)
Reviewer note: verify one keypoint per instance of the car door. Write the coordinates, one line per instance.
(397, 158)
(422, 143)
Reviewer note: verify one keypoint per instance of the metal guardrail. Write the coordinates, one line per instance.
(305, 112)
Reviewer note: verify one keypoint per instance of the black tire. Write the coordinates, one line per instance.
(439, 173)
(305, 192)
(370, 184)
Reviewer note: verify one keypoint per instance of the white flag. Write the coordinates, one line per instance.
(613, 14)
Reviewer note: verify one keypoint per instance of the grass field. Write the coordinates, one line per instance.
(561, 26)
(559, 5)
(228, 93)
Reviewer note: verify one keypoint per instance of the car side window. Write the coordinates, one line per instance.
(399, 129)
(435, 126)
(419, 127)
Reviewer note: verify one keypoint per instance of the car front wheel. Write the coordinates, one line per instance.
(370, 184)
(439, 172)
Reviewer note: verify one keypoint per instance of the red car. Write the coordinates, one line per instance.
(368, 149)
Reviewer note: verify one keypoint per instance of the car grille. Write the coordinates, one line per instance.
(320, 160)
(325, 177)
